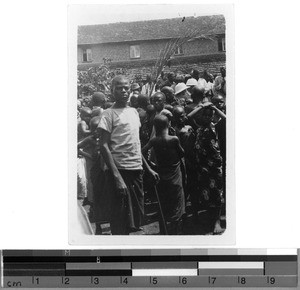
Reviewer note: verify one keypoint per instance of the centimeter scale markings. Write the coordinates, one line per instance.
(149, 268)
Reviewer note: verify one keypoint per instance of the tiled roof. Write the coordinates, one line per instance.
(149, 30)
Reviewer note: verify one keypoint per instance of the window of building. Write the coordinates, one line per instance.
(221, 44)
(87, 55)
(135, 51)
(179, 50)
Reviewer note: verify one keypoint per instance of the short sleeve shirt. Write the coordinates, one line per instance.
(123, 124)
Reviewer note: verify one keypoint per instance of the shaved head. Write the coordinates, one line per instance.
(159, 95)
(197, 93)
(120, 89)
(118, 79)
(178, 110)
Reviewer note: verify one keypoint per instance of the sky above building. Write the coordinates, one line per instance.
(102, 14)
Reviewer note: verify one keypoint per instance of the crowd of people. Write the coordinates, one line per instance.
(163, 140)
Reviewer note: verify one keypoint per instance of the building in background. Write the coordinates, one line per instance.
(136, 45)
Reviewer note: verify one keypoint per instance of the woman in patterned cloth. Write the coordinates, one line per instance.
(209, 167)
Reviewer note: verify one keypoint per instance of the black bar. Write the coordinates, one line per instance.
(99, 273)
(91, 259)
(49, 259)
(11, 266)
(213, 258)
(46, 272)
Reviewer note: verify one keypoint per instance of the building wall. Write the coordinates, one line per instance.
(141, 72)
(118, 52)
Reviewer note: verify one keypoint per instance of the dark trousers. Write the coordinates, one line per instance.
(127, 212)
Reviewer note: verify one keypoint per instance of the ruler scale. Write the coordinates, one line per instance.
(149, 268)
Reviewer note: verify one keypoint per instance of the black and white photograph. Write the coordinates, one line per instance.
(153, 98)
(48, 64)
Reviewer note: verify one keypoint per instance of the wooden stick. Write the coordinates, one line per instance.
(164, 230)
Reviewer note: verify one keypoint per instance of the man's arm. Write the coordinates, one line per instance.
(84, 128)
(179, 148)
(83, 143)
(219, 112)
(147, 147)
(82, 153)
(107, 156)
(198, 108)
(152, 173)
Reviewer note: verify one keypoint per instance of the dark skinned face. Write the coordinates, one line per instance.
(121, 91)
(180, 116)
(206, 116)
(158, 103)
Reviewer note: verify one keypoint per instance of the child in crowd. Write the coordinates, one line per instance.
(134, 101)
(209, 167)
(219, 103)
(170, 96)
(186, 135)
(159, 100)
(97, 103)
(142, 104)
(83, 125)
(198, 97)
(168, 153)
(182, 130)
(220, 125)
(89, 147)
(82, 131)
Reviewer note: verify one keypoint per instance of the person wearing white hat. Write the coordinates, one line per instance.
(201, 81)
(190, 84)
(181, 93)
(180, 89)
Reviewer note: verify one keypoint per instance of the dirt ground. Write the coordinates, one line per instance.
(191, 225)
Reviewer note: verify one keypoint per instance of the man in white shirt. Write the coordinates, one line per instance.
(121, 151)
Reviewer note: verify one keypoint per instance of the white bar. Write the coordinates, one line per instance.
(252, 252)
(282, 252)
(231, 265)
(164, 272)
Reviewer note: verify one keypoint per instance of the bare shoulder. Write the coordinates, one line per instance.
(173, 139)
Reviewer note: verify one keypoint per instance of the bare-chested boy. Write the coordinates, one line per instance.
(168, 152)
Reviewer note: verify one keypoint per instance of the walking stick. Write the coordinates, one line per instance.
(162, 224)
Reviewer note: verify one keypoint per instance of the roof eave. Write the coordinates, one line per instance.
(138, 40)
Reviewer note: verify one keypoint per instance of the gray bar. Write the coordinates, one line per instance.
(232, 272)
(193, 252)
(164, 265)
(139, 252)
(165, 252)
(80, 253)
(281, 268)
(48, 253)
(106, 253)
(98, 266)
(17, 253)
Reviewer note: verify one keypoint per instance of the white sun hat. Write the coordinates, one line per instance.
(180, 87)
(191, 82)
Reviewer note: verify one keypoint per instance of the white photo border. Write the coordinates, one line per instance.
(76, 235)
